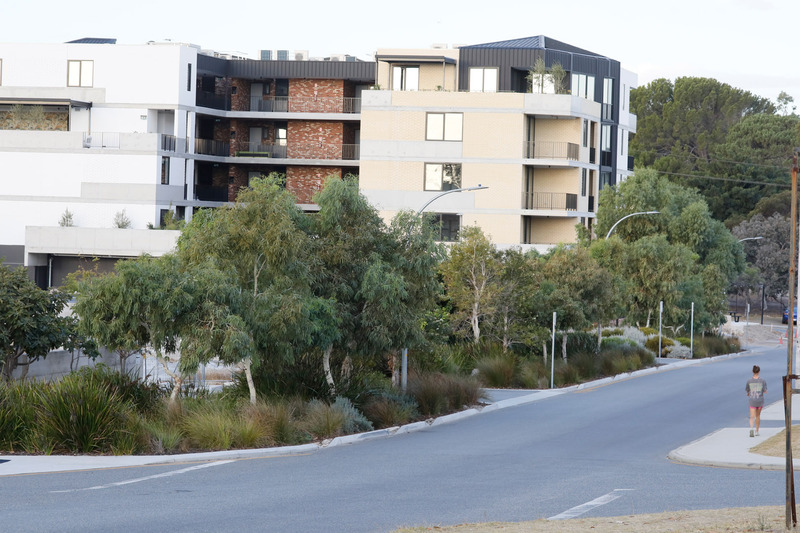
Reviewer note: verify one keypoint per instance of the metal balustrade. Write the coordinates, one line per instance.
(552, 150)
(554, 201)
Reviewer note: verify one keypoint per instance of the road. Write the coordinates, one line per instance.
(603, 449)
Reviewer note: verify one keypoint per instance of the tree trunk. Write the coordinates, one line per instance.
(564, 346)
(476, 328)
(544, 351)
(647, 324)
(326, 366)
(177, 378)
(250, 385)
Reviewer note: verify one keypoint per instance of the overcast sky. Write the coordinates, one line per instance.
(748, 44)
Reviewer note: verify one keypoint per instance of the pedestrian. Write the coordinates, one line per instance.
(755, 388)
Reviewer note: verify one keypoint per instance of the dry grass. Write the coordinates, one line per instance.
(776, 446)
(711, 521)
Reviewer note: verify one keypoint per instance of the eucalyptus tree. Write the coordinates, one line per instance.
(261, 241)
(472, 273)
(380, 280)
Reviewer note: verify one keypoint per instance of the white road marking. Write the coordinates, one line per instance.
(147, 478)
(588, 506)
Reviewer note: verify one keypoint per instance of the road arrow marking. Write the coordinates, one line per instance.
(588, 506)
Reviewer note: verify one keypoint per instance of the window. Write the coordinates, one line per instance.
(583, 86)
(483, 80)
(585, 133)
(605, 179)
(80, 73)
(405, 78)
(583, 182)
(165, 170)
(442, 176)
(605, 138)
(449, 226)
(189, 77)
(444, 126)
(608, 90)
(283, 55)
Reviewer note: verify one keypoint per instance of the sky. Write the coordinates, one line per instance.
(748, 44)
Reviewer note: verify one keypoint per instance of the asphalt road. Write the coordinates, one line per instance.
(599, 452)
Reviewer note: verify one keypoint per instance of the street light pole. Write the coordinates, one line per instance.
(628, 216)
(404, 354)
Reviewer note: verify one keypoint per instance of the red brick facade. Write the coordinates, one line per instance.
(303, 182)
(315, 140)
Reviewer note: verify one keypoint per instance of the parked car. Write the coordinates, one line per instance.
(786, 315)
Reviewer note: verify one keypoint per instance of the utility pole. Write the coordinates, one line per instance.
(788, 380)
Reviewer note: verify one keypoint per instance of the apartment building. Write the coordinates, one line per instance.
(101, 141)
(544, 144)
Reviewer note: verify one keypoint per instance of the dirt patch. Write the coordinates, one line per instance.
(711, 521)
(776, 446)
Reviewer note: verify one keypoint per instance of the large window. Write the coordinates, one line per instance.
(585, 133)
(80, 73)
(444, 126)
(442, 176)
(483, 79)
(583, 86)
(164, 170)
(189, 77)
(584, 172)
(405, 78)
(449, 226)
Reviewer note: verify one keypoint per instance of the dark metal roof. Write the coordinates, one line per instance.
(93, 40)
(415, 59)
(255, 69)
(536, 42)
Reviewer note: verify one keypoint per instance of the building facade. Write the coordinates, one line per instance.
(101, 141)
(497, 115)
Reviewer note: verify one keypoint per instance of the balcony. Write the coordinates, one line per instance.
(553, 201)
(297, 104)
(209, 193)
(211, 147)
(552, 150)
(312, 150)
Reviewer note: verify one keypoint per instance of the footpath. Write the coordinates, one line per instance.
(727, 447)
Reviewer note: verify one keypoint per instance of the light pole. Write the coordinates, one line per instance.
(404, 356)
(628, 216)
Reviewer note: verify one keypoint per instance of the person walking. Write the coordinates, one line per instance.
(755, 389)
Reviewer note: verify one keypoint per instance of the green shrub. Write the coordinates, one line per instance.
(566, 375)
(462, 391)
(354, 420)
(577, 341)
(711, 345)
(145, 397)
(652, 344)
(686, 341)
(533, 374)
(440, 393)
(390, 409)
(613, 332)
(208, 427)
(18, 415)
(278, 421)
(611, 343)
(81, 415)
(497, 371)
(648, 331)
(323, 421)
(163, 438)
(586, 365)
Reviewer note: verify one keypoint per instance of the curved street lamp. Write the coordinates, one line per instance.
(628, 216)
(404, 354)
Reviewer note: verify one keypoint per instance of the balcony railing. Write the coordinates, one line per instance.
(207, 193)
(298, 104)
(312, 150)
(213, 100)
(591, 204)
(552, 150)
(211, 147)
(168, 143)
(556, 201)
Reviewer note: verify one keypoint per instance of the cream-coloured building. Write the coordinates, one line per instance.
(543, 145)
